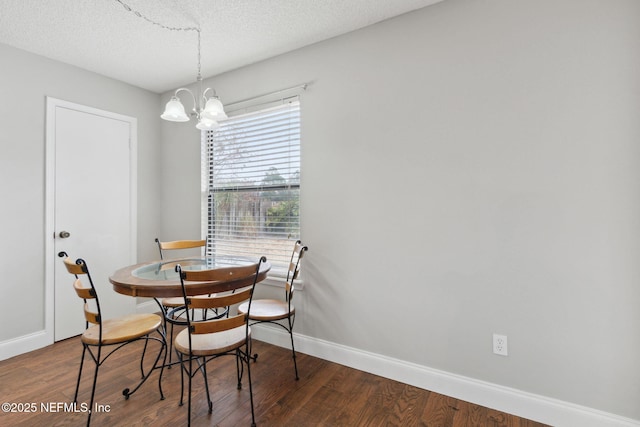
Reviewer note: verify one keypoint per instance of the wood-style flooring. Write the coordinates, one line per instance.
(327, 394)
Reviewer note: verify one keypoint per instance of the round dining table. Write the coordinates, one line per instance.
(159, 279)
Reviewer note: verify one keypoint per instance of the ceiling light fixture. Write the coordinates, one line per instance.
(207, 110)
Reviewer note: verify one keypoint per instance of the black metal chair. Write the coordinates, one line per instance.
(116, 332)
(278, 311)
(208, 339)
(170, 304)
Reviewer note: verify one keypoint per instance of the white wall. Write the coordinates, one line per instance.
(25, 82)
(468, 168)
(180, 180)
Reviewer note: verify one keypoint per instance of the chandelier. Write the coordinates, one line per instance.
(207, 110)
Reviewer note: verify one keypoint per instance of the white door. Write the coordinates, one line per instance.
(93, 206)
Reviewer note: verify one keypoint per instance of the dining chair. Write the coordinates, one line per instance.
(172, 303)
(279, 312)
(208, 339)
(115, 333)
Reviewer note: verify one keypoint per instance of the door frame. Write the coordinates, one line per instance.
(49, 227)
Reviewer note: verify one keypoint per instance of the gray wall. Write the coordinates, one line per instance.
(25, 81)
(468, 168)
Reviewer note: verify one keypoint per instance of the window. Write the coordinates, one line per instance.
(252, 184)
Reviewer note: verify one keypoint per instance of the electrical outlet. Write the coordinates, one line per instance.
(500, 345)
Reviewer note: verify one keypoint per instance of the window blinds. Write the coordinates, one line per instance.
(253, 197)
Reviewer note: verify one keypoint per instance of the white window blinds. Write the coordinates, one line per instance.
(253, 189)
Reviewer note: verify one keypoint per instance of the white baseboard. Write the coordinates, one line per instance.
(520, 403)
(24, 344)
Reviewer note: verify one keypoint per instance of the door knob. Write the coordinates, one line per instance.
(64, 234)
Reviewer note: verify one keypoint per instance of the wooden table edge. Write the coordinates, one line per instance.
(125, 283)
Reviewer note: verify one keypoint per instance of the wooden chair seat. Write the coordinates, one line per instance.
(211, 344)
(173, 302)
(268, 309)
(122, 329)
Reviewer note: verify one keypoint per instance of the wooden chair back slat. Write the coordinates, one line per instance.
(294, 268)
(219, 301)
(74, 268)
(84, 293)
(91, 316)
(296, 256)
(178, 245)
(218, 274)
(182, 244)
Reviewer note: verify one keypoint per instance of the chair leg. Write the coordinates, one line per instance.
(248, 360)
(182, 368)
(95, 380)
(189, 392)
(75, 396)
(144, 351)
(164, 362)
(170, 345)
(239, 367)
(203, 367)
(164, 311)
(293, 349)
(255, 355)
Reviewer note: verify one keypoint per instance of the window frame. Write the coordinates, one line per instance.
(208, 189)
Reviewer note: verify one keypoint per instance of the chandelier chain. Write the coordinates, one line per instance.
(151, 21)
(166, 27)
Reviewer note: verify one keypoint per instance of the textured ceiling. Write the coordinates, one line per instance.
(102, 36)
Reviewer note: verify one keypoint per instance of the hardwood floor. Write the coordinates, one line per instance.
(327, 394)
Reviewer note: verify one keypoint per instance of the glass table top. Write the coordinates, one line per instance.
(166, 270)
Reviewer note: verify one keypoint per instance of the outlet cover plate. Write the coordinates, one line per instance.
(500, 345)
